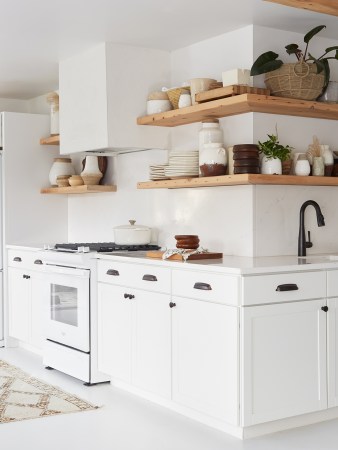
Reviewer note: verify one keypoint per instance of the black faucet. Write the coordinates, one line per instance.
(303, 244)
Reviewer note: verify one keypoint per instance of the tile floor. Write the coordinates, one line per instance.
(126, 422)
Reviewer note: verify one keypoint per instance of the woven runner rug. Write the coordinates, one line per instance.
(24, 397)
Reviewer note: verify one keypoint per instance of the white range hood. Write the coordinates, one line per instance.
(103, 91)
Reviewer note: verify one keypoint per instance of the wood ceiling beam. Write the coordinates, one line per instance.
(320, 6)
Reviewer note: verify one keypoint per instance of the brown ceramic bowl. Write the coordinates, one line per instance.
(241, 147)
(248, 169)
(62, 180)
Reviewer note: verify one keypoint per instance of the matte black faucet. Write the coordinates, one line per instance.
(303, 244)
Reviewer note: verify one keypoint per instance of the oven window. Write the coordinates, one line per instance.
(64, 304)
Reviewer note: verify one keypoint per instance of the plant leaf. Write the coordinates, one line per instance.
(292, 49)
(313, 32)
(266, 62)
(320, 65)
(326, 73)
(329, 49)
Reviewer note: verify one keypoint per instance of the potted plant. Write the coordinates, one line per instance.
(274, 154)
(305, 79)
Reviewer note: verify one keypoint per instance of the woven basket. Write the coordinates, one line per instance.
(174, 95)
(299, 80)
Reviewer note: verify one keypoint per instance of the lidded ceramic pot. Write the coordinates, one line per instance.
(132, 234)
(60, 166)
(212, 160)
(210, 133)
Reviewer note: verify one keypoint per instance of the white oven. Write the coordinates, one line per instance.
(67, 306)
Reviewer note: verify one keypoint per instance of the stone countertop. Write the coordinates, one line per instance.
(240, 265)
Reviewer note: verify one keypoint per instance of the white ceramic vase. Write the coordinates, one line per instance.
(91, 173)
(271, 166)
(61, 166)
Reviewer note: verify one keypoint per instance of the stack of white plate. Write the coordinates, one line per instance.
(182, 164)
(156, 172)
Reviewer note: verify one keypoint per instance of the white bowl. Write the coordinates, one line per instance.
(158, 106)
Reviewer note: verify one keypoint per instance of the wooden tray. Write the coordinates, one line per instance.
(207, 255)
(228, 91)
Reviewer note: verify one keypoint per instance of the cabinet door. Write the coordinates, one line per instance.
(332, 351)
(19, 292)
(205, 358)
(151, 342)
(114, 332)
(39, 294)
(283, 360)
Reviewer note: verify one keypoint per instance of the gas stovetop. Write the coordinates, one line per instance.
(102, 247)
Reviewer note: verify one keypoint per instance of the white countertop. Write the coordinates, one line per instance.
(240, 265)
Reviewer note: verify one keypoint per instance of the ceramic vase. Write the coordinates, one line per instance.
(318, 166)
(91, 173)
(61, 166)
(272, 166)
(302, 167)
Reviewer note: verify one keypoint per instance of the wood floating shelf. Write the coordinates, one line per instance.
(51, 140)
(236, 180)
(329, 7)
(84, 189)
(240, 104)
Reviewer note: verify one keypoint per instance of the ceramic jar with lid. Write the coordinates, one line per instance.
(212, 160)
(132, 234)
(210, 133)
(61, 166)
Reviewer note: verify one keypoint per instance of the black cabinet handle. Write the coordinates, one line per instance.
(325, 308)
(203, 286)
(27, 277)
(126, 296)
(172, 305)
(38, 261)
(130, 296)
(113, 272)
(287, 287)
(17, 259)
(148, 277)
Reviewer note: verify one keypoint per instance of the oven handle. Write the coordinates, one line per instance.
(63, 270)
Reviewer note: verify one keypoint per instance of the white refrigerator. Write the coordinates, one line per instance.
(27, 217)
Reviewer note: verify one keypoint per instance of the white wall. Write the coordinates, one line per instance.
(247, 221)
(13, 105)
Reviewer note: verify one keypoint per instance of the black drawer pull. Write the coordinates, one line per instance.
(203, 286)
(172, 305)
(38, 261)
(130, 296)
(287, 287)
(325, 308)
(113, 272)
(126, 296)
(17, 259)
(27, 277)
(148, 277)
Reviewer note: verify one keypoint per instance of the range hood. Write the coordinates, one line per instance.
(103, 91)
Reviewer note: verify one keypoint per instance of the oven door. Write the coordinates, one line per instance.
(67, 306)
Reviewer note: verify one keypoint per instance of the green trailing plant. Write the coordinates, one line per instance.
(273, 149)
(268, 61)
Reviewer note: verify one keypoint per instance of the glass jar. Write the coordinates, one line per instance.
(210, 133)
(212, 160)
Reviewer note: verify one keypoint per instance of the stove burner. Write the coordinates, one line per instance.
(103, 247)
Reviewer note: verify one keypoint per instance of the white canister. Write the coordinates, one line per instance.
(272, 166)
(61, 166)
(210, 133)
(212, 160)
(302, 166)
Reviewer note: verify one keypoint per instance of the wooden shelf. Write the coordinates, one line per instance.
(240, 104)
(235, 180)
(51, 140)
(321, 6)
(84, 189)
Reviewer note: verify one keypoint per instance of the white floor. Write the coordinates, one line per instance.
(126, 422)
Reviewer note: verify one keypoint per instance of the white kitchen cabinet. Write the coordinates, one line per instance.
(283, 363)
(332, 351)
(102, 90)
(134, 337)
(19, 304)
(205, 358)
(25, 296)
(114, 332)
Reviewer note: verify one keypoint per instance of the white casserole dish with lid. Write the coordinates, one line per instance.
(132, 234)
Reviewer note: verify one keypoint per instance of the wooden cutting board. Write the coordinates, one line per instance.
(228, 91)
(177, 257)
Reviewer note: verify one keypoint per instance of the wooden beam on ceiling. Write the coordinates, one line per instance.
(320, 6)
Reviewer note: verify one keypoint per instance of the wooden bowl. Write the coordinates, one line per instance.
(62, 180)
(75, 180)
(187, 241)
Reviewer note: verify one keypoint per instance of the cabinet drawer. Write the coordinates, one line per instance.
(207, 286)
(283, 287)
(332, 283)
(150, 278)
(23, 259)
